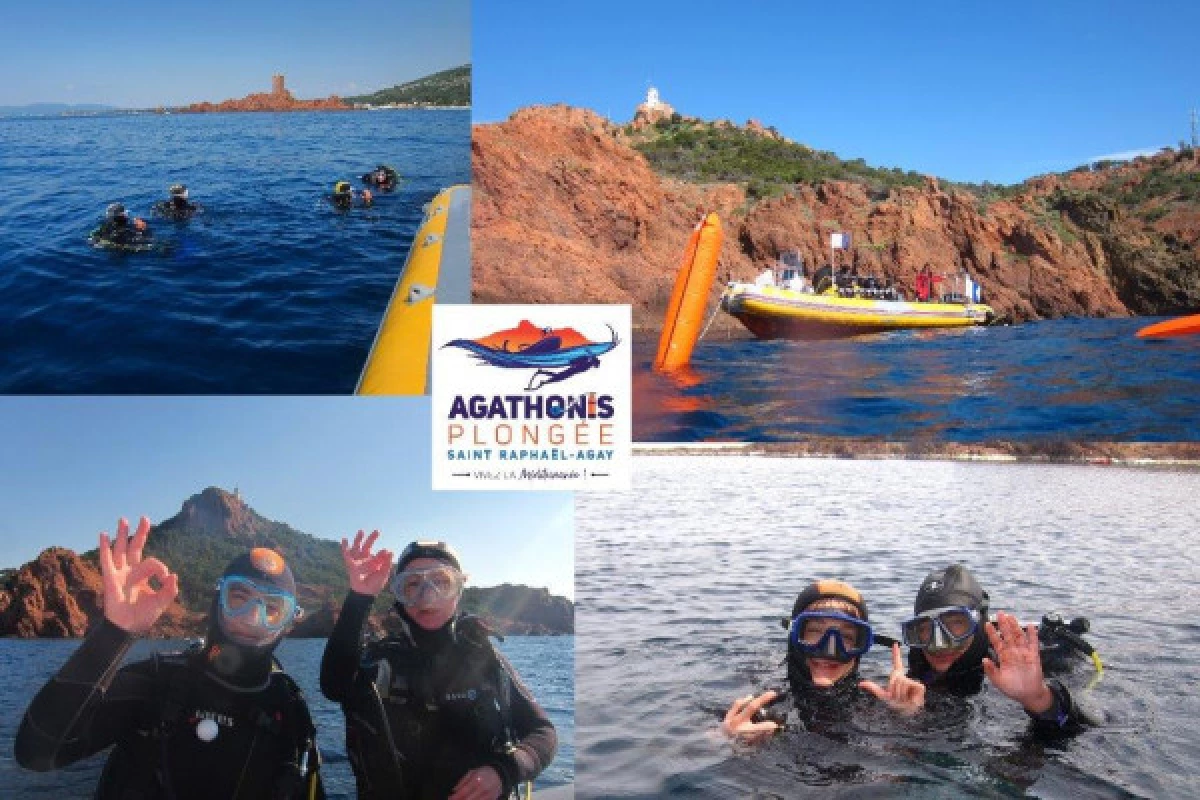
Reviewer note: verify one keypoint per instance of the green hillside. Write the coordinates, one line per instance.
(214, 527)
(451, 87)
(704, 152)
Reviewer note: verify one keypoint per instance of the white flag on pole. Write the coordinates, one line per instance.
(839, 241)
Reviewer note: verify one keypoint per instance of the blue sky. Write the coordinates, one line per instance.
(137, 56)
(70, 467)
(963, 90)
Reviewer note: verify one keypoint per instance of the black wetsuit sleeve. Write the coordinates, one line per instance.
(536, 739)
(1064, 717)
(87, 705)
(343, 652)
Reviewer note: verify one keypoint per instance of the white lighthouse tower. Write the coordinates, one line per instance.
(652, 109)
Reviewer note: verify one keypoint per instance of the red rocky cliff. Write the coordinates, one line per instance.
(216, 512)
(270, 101)
(567, 211)
(59, 595)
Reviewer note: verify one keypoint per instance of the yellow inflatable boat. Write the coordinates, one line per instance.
(438, 270)
(778, 312)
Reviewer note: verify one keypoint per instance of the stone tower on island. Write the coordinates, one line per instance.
(277, 88)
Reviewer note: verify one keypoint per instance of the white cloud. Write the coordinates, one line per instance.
(1126, 155)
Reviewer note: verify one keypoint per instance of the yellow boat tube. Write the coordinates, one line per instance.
(774, 312)
(437, 270)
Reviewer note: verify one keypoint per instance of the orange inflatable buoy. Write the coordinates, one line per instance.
(1180, 326)
(685, 313)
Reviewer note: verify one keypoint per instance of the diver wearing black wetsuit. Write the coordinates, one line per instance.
(382, 177)
(344, 196)
(119, 231)
(956, 588)
(829, 633)
(177, 206)
(217, 722)
(426, 707)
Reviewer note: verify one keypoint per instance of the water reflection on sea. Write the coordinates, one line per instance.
(1078, 379)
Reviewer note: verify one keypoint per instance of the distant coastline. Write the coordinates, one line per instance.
(156, 112)
(448, 89)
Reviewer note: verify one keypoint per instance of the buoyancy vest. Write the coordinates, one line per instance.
(419, 718)
(207, 741)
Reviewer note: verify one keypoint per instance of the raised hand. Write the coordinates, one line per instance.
(902, 694)
(368, 573)
(1019, 671)
(130, 602)
(739, 720)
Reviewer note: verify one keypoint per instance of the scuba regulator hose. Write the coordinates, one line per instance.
(1072, 633)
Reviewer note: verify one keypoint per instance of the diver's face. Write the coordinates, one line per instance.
(243, 630)
(942, 660)
(431, 611)
(826, 672)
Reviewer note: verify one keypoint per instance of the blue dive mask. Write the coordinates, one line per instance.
(830, 634)
(269, 607)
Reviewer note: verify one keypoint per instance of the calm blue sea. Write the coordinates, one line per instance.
(1072, 379)
(270, 290)
(546, 665)
(681, 585)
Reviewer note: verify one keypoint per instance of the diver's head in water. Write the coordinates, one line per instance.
(827, 636)
(116, 213)
(179, 195)
(254, 607)
(945, 631)
(428, 583)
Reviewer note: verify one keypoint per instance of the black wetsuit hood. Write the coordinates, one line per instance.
(952, 586)
(233, 662)
(799, 676)
(238, 664)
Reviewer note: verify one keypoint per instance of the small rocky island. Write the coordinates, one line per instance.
(278, 99)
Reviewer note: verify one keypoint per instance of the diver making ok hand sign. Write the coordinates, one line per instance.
(130, 602)
(218, 721)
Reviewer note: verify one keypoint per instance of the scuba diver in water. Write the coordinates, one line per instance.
(436, 711)
(121, 232)
(219, 721)
(828, 634)
(953, 646)
(344, 196)
(177, 206)
(382, 177)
